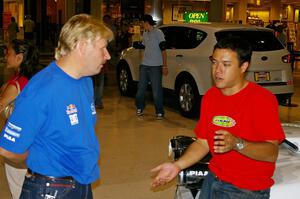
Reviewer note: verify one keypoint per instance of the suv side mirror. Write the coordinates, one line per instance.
(138, 45)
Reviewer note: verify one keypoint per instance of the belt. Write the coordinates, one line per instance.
(32, 173)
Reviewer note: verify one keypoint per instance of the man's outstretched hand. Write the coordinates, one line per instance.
(164, 174)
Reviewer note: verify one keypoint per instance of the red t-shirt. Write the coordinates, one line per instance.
(22, 80)
(251, 114)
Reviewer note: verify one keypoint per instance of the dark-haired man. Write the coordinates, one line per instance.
(243, 141)
(154, 64)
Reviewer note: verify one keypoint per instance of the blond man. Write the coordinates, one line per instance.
(52, 126)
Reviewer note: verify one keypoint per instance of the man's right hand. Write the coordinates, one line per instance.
(168, 171)
(164, 173)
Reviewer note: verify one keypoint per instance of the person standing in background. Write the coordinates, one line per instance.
(108, 22)
(13, 29)
(53, 123)
(280, 34)
(153, 66)
(29, 27)
(24, 59)
(99, 78)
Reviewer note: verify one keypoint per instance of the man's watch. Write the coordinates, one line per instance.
(240, 144)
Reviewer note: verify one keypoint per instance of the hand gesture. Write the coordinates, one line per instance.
(165, 173)
(224, 141)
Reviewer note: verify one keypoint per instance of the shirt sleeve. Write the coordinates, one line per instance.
(161, 36)
(266, 121)
(22, 81)
(23, 125)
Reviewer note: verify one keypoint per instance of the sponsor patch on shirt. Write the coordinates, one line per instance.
(12, 132)
(71, 109)
(72, 112)
(73, 119)
(93, 109)
(224, 121)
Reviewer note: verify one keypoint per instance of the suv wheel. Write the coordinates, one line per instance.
(125, 81)
(188, 98)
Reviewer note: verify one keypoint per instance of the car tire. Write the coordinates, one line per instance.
(188, 97)
(124, 78)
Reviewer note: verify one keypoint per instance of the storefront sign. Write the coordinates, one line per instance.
(196, 16)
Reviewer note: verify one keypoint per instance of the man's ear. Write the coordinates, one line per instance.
(244, 67)
(81, 46)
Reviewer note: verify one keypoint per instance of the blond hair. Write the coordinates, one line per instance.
(80, 27)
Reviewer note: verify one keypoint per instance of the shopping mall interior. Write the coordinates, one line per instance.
(131, 146)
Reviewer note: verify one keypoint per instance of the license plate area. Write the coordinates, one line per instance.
(262, 76)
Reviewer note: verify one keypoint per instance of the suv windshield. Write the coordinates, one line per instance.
(260, 40)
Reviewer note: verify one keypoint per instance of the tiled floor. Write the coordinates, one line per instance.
(131, 146)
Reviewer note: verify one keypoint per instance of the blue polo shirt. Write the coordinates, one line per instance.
(54, 119)
(151, 41)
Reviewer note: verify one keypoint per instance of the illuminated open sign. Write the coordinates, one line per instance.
(195, 16)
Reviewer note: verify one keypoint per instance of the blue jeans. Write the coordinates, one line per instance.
(213, 188)
(36, 187)
(151, 74)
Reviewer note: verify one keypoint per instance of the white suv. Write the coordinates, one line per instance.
(188, 49)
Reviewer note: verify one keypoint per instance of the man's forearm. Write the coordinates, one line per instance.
(194, 153)
(263, 151)
(164, 57)
(13, 156)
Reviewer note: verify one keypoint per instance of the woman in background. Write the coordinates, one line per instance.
(22, 57)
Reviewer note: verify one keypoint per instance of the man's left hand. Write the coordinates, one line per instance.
(224, 141)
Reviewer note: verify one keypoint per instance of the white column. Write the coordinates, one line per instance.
(291, 13)
(96, 10)
(240, 11)
(217, 11)
(69, 9)
(275, 9)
